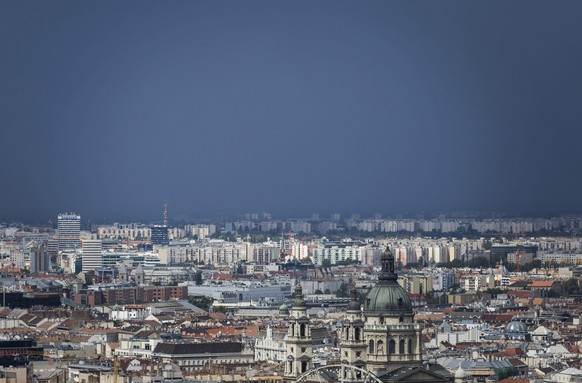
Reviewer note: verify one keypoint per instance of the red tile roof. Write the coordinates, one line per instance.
(541, 284)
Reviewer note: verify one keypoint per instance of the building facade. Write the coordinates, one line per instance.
(92, 254)
(159, 235)
(69, 231)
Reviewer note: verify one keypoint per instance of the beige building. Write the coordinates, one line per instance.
(416, 283)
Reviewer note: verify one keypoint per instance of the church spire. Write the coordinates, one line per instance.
(354, 304)
(298, 299)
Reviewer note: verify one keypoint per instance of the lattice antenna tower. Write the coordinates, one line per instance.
(165, 214)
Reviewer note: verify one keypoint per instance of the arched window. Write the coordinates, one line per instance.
(410, 350)
(357, 333)
(392, 347)
(303, 366)
(401, 347)
(293, 329)
(401, 319)
(371, 346)
(302, 329)
(380, 347)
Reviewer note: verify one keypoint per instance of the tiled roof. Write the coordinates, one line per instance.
(541, 284)
(198, 348)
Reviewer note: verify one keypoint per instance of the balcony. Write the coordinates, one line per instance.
(393, 327)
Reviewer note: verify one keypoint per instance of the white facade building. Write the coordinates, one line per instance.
(69, 231)
(271, 346)
(92, 250)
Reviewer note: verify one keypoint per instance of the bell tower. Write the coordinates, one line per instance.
(299, 342)
(352, 343)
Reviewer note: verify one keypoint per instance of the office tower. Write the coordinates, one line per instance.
(160, 235)
(39, 259)
(69, 231)
(92, 254)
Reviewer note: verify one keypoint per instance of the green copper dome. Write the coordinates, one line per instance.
(387, 297)
(283, 309)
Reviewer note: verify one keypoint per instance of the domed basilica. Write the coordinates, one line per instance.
(382, 339)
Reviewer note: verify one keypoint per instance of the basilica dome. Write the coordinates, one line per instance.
(516, 327)
(387, 297)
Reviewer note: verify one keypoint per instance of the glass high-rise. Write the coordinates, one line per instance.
(159, 235)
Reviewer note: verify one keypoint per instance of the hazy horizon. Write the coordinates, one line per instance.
(178, 218)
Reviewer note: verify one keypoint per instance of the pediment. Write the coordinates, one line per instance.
(422, 376)
(414, 375)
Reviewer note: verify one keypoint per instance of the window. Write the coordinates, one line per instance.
(371, 346)
(357, 333)
(392, 346)
(401, 347)
(302, 330)
(410, 350)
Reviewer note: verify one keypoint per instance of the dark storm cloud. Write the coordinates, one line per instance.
(111, 108)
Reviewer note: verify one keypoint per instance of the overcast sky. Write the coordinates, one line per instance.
(110, 108)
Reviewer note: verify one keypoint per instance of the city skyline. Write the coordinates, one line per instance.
(111, 109)
(180, 218)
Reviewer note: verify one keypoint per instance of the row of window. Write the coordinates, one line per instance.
(378, 348)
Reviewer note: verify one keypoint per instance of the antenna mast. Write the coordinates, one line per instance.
(165, 214)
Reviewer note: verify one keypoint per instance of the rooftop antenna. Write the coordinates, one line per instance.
(165, 214)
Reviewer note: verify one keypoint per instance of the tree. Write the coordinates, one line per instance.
(198, 278)
(551, 294)
(342, 292)
(455, 286)
(220, 309)
(200, 301)
(571, 287)
(327, 291)
(307, 260)
(495, 291)
(318, 292)
(326, 263)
